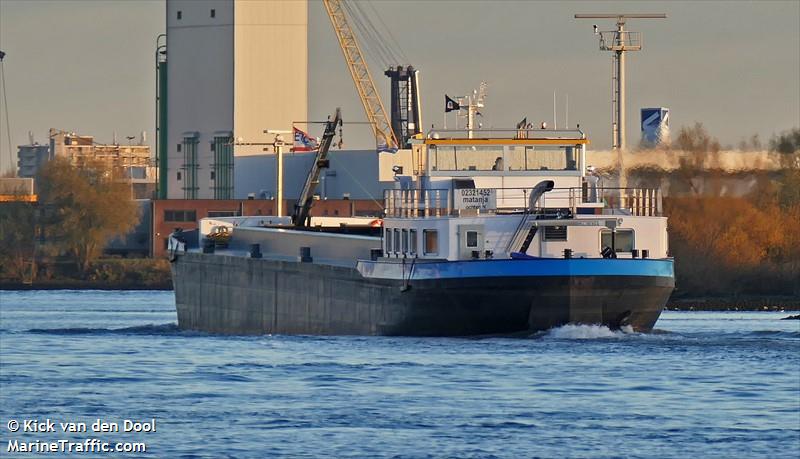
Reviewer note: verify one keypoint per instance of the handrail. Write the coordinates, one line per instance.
(506, 133)
(414, 203)
(425, 203)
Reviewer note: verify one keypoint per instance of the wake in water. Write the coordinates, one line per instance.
(579, 331)
(149, 329)
(601, 332)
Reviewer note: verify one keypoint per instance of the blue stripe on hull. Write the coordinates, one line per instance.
(545, 267)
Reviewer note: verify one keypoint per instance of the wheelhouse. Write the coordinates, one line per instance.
(465, 198)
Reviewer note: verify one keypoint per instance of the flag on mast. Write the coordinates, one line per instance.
(383, 145)
(450, 104)
(303, 141)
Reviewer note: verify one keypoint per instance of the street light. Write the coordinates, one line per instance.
(278, 144)
(619, 41)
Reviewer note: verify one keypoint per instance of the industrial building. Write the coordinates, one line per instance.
(229, 70)
(232, 69)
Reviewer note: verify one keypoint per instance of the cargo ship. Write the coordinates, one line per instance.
(487, 232)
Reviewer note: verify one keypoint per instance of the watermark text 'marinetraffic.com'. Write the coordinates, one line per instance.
(38, 427)
(89, 445)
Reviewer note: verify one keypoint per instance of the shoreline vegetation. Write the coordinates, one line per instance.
(102, 274)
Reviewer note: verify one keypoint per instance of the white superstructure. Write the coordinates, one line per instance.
(470, 198)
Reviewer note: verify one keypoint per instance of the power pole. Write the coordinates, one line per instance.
(619, 41)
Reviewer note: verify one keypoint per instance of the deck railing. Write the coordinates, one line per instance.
(416, 203)
(494, 133)
(425, 203)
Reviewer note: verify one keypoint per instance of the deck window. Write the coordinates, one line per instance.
(412, 241)
(623, 239)
(431, 242)
(397, 240)
(555, 233)
(388, 238)
(472, 239)
(405, 241)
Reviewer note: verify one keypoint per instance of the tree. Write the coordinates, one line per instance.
(787, 142)
(697, 140)
(85, 207)
(17, 235)
(751, 144)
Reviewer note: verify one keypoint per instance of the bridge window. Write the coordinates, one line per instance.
(405, 241)
(412, 241)
(431, 242)
(550, 158)
(397, 240)
(467, 158)
(496, 158)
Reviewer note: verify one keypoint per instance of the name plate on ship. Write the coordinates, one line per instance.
(476, 198)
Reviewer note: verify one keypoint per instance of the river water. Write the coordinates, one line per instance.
(704, 385)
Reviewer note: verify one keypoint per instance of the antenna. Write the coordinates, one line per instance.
(474, 102)
(619, 41)
(481, 93)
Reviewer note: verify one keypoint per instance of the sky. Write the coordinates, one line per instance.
(87, 66)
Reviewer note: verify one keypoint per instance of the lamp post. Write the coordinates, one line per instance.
(161, 115)
(619, 42)
(278, 145)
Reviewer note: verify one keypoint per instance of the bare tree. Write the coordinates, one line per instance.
(697, 140)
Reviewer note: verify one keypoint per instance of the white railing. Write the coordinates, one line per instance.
(414, 203)
(424, 203)
(494, 133)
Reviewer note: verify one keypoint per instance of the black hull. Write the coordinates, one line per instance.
(233, 295)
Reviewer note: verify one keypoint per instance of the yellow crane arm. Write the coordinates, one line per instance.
(373, 106)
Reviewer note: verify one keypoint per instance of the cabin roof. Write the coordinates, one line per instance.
(506, 137)
(512, 141)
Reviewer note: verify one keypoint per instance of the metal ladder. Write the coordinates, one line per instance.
(524, 234)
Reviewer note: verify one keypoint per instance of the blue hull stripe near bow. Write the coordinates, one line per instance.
(542, 267)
